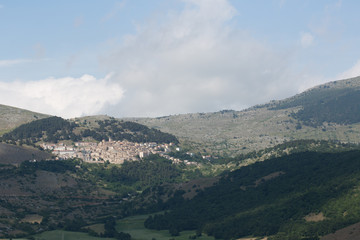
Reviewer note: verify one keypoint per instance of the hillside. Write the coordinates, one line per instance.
(11, 154)
(327, 112)
(36, 196)
(47, 195)
(11, 117)
(54, 129)
(300, 196)
(285, 181)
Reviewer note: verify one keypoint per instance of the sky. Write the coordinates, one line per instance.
(151, 58)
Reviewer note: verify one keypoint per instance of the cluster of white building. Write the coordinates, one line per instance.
(113, 151)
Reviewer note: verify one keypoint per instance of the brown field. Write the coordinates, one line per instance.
(33, 218)
(349, 233)
(313, 217)
(11, 154)
(194, 186)
(98, 228)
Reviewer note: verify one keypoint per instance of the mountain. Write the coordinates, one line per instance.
(326, 112)
(11, 117)
(286, 181)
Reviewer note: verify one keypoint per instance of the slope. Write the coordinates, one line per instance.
(327, 112)
(11, 117)
(275, 197)
(48, 195)
(11, 154)
(54, 129)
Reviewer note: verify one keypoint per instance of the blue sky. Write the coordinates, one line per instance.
(152, 58)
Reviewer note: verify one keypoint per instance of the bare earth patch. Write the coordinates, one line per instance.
(265, 238)
(98, 228)
(34, 218)
(268, 177)
(313, 217)
(194, 186)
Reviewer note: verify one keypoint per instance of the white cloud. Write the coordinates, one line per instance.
(197, 61)
(306, 40)
(66, 97)
(310, 81)
(354, 71)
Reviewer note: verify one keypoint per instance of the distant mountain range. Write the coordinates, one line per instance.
(327, 112)
(305, 189)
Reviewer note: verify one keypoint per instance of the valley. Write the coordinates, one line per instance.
(288, 170)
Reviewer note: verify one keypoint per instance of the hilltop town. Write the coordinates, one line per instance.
(115, 152)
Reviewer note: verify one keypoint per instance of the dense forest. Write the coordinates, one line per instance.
(296, 146)
(50, 129)
(343, 109)
(54, 129)
(134, 175)
(321, 105)
(130, 131)
(272, 198)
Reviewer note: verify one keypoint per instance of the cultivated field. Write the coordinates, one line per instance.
(135, 227)
(65, 235)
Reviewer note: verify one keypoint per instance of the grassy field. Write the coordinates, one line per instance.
(98, 228)
(65, 235)
(132, 225)
(135, 227)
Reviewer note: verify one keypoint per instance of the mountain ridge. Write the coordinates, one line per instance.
(11, 117)
(267, 125)
(231, 132)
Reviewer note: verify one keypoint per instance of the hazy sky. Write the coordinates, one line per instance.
(160, 57)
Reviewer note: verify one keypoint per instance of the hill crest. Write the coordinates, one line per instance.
(11, 117)
(326, 112)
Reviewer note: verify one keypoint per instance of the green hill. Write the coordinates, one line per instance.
(54, 129)
(277, 198)
(335, 102)
(326, 112)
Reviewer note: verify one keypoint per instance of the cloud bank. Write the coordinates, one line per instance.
(67, 97)
(354, 71)
(196, 61)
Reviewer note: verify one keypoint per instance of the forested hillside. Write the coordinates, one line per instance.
(273, 198)
(54, 129)
(327, 103)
